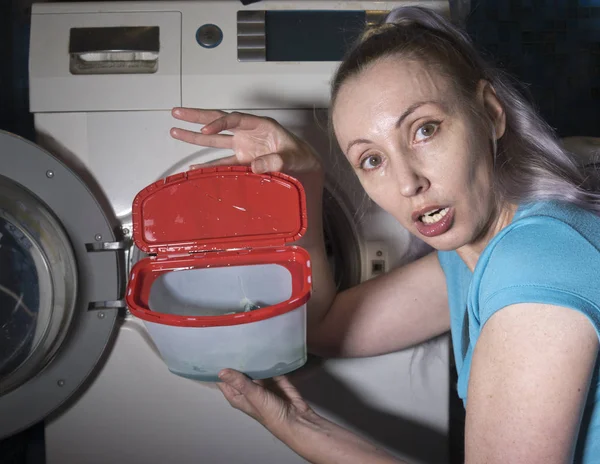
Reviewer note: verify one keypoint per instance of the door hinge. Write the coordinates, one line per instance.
(108, 246)
(109, 304)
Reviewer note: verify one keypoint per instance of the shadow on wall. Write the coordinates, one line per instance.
(405, 436)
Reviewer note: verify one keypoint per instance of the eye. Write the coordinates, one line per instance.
(371, 162)
(426, 131)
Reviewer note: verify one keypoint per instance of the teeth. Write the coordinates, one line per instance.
(437, 215)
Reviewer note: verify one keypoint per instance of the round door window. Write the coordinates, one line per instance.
(19, 297)
(38, 284)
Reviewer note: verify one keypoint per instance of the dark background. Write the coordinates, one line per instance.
(553, 46)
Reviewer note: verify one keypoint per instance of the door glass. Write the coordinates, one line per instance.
(38, 285)
(19, 297)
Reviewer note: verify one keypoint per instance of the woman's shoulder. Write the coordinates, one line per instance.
(577, 217)
(550, 254)
(543, 236)
(546, 228)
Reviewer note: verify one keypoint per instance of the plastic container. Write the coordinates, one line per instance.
(217, 239)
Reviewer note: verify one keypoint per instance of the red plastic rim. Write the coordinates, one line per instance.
(145, 272)
(221, 321)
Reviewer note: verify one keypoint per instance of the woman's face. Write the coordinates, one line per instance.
(417, 153)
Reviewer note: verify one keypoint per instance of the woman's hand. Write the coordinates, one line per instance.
(256, 141)
(266, 146)
(275, 403)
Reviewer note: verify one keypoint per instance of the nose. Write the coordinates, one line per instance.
(411, 182)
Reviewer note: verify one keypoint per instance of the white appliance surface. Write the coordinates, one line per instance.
(114, 129)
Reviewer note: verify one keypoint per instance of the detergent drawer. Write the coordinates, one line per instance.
(105, 61)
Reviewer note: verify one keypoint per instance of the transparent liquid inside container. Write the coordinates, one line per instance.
(261, 349)
(220, 290)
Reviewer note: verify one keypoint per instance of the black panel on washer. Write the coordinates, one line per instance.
(311, 35)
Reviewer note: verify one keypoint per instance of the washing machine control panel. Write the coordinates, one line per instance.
(153, 56)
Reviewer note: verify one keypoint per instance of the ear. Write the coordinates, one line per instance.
(486, 95)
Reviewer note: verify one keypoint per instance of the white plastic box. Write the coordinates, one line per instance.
(221, 288)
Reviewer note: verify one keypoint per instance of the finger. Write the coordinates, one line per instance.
(215, 141)
(196, 115)
(228, 391)
(227, 161)
(236, 399)
(288, 162)
(286, 386)
(242, 384)
(235, 121)
(267, 163)
(284, 383)
(291, 394)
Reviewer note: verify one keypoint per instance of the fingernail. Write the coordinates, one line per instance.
(260, 166)
(224, 375)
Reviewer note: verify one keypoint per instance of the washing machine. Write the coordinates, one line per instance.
(103, 79)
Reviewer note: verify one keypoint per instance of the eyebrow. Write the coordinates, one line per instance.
(411, 109)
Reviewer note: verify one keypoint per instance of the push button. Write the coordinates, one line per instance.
(209, 36)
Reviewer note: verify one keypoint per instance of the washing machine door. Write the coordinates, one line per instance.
(59, 277)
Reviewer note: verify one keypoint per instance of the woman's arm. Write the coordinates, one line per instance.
(396, 310)
(320, 441)
(529, 380)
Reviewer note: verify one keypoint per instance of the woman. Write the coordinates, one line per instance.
(447, 146)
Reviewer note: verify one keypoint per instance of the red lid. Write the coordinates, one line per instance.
(218, 208)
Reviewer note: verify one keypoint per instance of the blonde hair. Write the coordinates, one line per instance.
(529, 162)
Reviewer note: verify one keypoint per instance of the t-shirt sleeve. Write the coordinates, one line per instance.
(544, 261)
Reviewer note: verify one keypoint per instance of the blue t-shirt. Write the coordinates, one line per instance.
(550, 254)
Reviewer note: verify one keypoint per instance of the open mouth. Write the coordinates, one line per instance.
(433, 216)
(435, 222)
